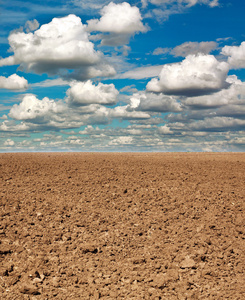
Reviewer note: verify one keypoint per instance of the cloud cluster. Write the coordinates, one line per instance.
(218, 124)
(120, 20)
(85, 103)
(195, 75)
(60, 45)
(192, 104)
(13, 82)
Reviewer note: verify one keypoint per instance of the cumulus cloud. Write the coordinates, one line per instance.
(9, 143)
(85, 93)
(59, 45)
(164, 130)
(154, 103)
(4, 117)
(235, 94)
(236, 55)
(120, 20)
(32, 108)
(195, 75)
(127, 113)
(13, 82)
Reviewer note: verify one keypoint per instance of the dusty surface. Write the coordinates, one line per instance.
(122, 226)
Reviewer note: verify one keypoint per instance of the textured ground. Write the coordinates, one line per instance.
(122, 226)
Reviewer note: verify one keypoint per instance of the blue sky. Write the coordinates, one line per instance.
(149, 75)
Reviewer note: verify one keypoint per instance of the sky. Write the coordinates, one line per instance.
(149, 75)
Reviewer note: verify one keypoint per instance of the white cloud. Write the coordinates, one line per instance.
(118, 18)
(188, 48)
(195, 75)
(235, 94)
(127, 113)
(85, 93)
(31, 108)
(61, 44)
(154, 103)
(9, 143)
(4, 117)
(236, 55)
(121, 140)
(121, 20)
(238, 141)
(13, 82)
(164, 130)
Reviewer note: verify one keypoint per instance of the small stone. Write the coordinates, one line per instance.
(187, 263)
(37, 280)
(160, 281)
(55, 282)
(89, 248)
(29, 289)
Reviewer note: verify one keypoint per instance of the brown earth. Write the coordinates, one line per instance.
(122, 226)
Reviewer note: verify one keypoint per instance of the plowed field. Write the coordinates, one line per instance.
(122, 226)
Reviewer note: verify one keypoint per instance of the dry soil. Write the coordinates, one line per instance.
(122, 226)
